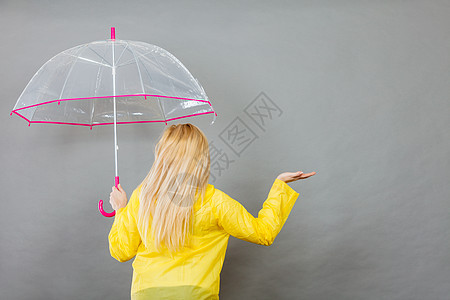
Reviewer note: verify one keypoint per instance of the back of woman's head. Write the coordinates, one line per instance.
(179, 176)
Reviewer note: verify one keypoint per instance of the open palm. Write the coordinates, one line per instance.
(293, 176)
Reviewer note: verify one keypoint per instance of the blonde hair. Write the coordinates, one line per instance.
(169, 191)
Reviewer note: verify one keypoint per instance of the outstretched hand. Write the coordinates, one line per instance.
(118, 197)
(293, 176)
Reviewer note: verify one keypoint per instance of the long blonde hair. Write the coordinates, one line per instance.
(179, 176)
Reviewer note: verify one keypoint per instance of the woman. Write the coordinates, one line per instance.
(177, 225)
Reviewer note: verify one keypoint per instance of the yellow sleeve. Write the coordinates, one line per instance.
(124, 238)
(238, 222)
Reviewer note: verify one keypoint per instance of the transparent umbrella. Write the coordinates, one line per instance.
(112, 82)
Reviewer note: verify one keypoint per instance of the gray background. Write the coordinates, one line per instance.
(364, 91)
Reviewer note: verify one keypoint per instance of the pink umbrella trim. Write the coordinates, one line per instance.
(91, 125)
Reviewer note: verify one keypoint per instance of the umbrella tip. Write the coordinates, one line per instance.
(113, 33)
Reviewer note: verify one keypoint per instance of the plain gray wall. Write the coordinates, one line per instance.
(363, 87)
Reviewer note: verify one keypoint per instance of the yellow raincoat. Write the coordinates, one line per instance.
(194, 272)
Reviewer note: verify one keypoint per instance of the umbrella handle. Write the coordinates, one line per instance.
(104, 213)
(100, 203)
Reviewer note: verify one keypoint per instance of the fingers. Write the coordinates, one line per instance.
(113, 200)
(112, 193)
(118, 188)
(308, 175)
(300, 175)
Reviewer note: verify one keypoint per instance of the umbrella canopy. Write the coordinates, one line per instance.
(78, 87)
(112, 82)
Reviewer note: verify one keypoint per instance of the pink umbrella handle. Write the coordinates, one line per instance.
(100, 203)
(104, 213)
